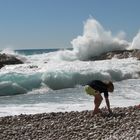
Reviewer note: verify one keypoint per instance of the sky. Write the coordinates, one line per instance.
(39, 24)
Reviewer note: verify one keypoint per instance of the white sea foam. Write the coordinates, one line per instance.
(64, 74)
(136, 42)
(96, 40)
(8, 50)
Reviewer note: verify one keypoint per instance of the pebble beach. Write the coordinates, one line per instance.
(123, 124)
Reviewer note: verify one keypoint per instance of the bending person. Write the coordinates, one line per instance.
(95, 88)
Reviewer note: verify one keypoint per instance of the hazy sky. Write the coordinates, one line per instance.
(55, 23)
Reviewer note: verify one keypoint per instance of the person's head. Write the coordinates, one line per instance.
(110, 86)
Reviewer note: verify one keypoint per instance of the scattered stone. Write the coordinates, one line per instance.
(124, 124)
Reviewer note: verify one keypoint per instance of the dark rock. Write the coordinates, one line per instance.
(120, 54)
(8, 60)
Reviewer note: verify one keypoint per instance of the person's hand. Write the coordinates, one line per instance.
(110, 111)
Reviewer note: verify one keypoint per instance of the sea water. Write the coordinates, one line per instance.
(52, 80)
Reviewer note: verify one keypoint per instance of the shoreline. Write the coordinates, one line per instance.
(123, 124)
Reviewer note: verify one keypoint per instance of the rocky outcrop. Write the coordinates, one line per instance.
(8, 60)
(120, 54)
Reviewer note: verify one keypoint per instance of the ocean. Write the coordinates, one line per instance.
(46, 84)
(52, 80)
